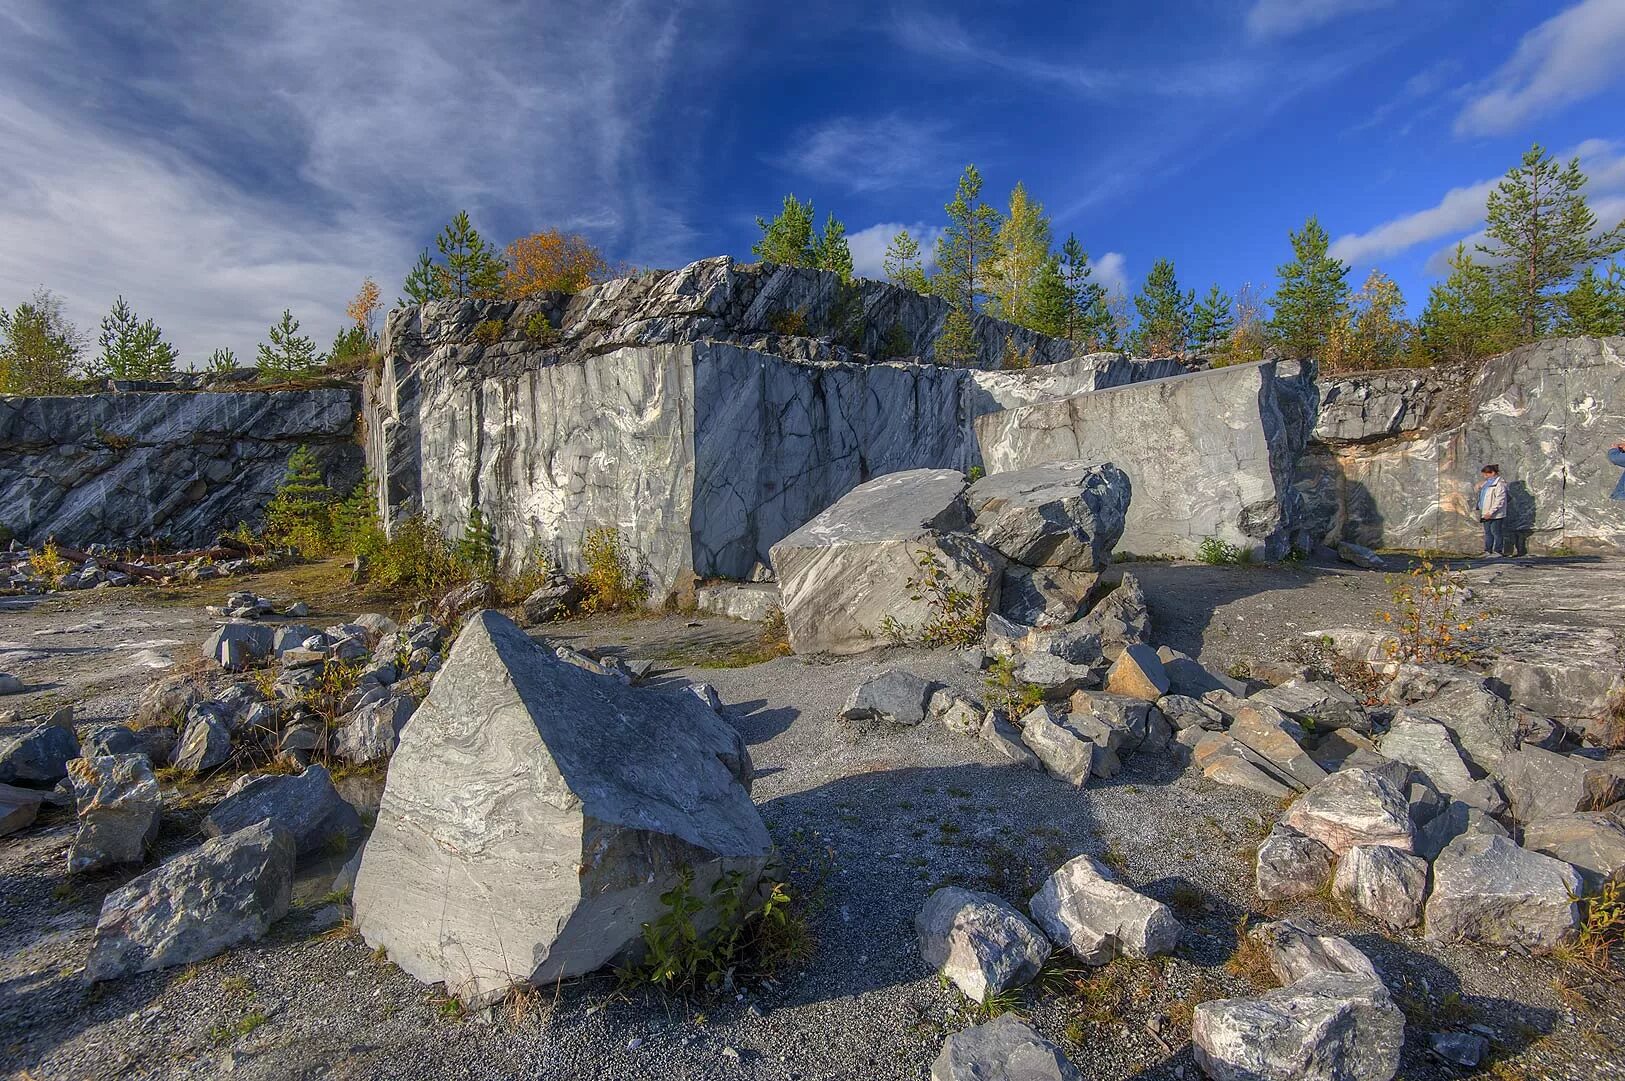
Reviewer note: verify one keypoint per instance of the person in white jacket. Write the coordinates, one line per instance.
(1492, 510)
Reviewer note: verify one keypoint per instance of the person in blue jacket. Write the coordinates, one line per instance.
(1616, 454)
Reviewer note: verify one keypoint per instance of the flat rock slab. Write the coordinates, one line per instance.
(1324, 1027)
(1295, 951)
(1066, 514)
(39, 756)
(979, 941)
(1426, 746)
(534, 813)
(18, 808)
(226, 891)
(1003, 1049)
(1540, 783)
(1488, 890)
(1592, 842)
(1320, 703)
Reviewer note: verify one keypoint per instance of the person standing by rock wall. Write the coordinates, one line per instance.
(1492, 510)
(1616, 455)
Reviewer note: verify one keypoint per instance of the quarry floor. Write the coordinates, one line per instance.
(868, 821)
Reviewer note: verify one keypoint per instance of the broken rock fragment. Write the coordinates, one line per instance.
(1003, 1049)
(979, 941)
(119, 808)
(1353, 807)
(1083, 908)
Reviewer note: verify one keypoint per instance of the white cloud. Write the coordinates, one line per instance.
(1566, 58)
(944, 37)
(1283, 18)
(1111, 270)
(869, 246)
(1461, 208)
(872, 154)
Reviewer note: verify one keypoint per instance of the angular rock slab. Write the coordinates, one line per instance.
(1592, 842)
(1003, 1049)
(897, 696)
(1384, 883)
(372, 731)
(1290, 865)
(1295, 952)
(842, 574)
(1083, 908)
(119, 808)
(1324, 1027)
(1319, 702)
(1138, 673)
(1542, 783)
(1353, 807)
(979, 941)
(38, 756)
(305, 804)
(226, 891)
(18, 808)
(1425, 745)
(1066, 755)
(1488, 890)
(534, 813)
(1065, 514)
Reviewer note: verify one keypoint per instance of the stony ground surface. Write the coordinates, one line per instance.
(869, 821)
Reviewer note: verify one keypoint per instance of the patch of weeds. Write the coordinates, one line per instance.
(447, 1007)
(1216, 552)
(997, 1003)
(1182, 1011)
(334, 897)
(539, 329)
(1186, 899)
(236, 985)
(1250, 960)
(490, 331)
(1602, 930)
(250, 1021)
(521, 1003)
(613, 580)
(1433, 613)
(1005, 691)
(774, 641)
(1113, 857)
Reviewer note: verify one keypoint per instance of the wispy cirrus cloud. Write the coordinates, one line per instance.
(1565, 59)
(1284, 18)
(864, 154)
(944, 37)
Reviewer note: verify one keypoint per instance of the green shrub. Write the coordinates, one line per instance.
(896, 343)
(957, 618)
(612, 580)
(791, 323)
(1218, 552)
(490, 331)
(300, 514)
(540, 329)
(476, 552)
(1008, 693)
(755, 931)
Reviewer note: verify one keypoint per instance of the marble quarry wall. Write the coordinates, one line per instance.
(1396, 455)
(167, 465)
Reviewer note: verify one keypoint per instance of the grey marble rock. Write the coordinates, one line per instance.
(1360, 556)
(564, 802)
(112, 739)
(752, 601)
(551, 600)
(1290, 865)
(1488, 890)
(18, 808)
(1319, 702)
(979, 941)
(1323, 1027)
(305, 804)
(1066, 755)
(1276, 739)
(205, 740)
(237, 645)
(958, 712)
(1369, 406)
(1043, 597)
(1185, 712)
(1353, 807)
(1065, 514)
(1084, 909)
(1382, 882)
(124, 467)
(1186, 676)
(1481, 721)
(227, 891)
(1466, 1049)
(1006, 739)
(38, 756)
(856, 570)
(164, 701)
(373, 730)
(1427, 747)
(896, 697)
(1121, 618)
(1295, 952)
(1592, 842)
(119, 808)
(1003, 1049)
(10, 684)
(1540, 784)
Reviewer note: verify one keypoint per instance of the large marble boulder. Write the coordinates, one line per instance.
(1426, 746)
(979, 941)
(305, 804)
(1382, 882)
(1324, 1027)
(555, 806)
(1060, 514)
(1003, 1049)
(1488, 890)
(119, 808)
(1540, 783)
(1592, 842)
(1083, 908)
(1067, 755)
(226, 891)
(856, 570)
(1353, 807)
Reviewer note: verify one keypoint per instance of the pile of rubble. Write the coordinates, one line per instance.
(55, 568)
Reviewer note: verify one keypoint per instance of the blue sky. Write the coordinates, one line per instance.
(217, 162)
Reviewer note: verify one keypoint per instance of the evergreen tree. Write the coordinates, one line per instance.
(1596, 304)
(1540, 231)
(300, 514)
(1466, 316)
(222, 361)
(352, 348)
(470, 267)
(957, 346)
(1165, 313)
(39, 349)
(966, 245)
(1212, 321)
(1090, 320)
(133, 348)
(477, 549)
(788, 239)
(902, 263)
(423, 284)
(289, 352)
(831, 251)
(1050, 308)
(1022, 247)
(1313, 294)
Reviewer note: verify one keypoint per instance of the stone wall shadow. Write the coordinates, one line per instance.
(1184, 596)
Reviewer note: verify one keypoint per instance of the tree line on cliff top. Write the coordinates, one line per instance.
(1545, 267)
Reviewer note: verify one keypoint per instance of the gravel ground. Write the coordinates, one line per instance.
(868, 820)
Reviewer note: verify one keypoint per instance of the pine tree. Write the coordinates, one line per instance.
(1165, 313)
(831, 251)
(423, 284)
(902, 263)
(788, 239)
(1022, 247)
(39, 349)
(1467, 317)
(1212, 321)
(1595, 305)
(1049, 310)
(300, 513)
(1090, 320)
(477, 550)
(470, 267)
(1313, 294)
(956, 346)
(222, 360)
(289, 352)
(1540, 230)
(132, 348)
(966, 245)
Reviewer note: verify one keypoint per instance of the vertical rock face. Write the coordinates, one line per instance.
(121, 467)
(534, 812)
(1397, 468)
(1210, 454)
